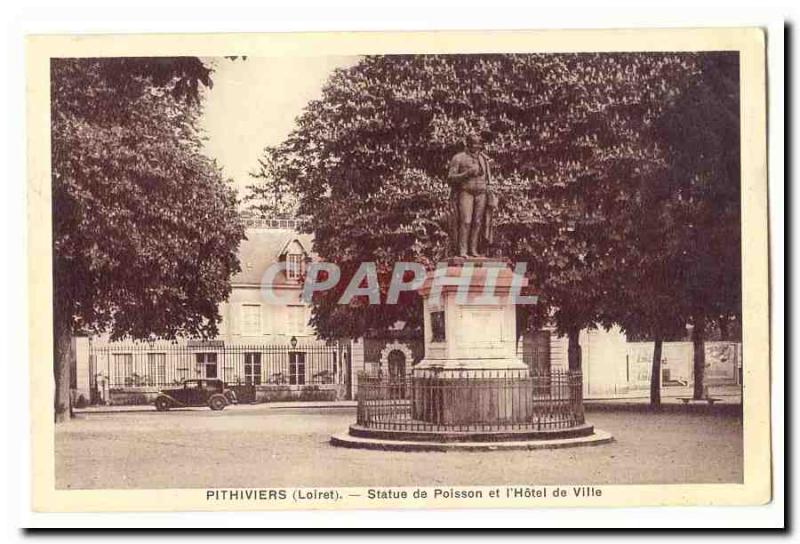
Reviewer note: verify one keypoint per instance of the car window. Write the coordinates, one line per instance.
(191, 385)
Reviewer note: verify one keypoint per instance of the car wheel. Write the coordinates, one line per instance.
(162, 404)
(217, 402)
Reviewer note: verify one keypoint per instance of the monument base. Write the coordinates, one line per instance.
(471, 391)
(380, 442)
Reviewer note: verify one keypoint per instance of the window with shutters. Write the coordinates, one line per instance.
(251, 319)
(157, 368)
(297, 319)
(252, 368)
(206, 365)
(122, 371)
(297, 368)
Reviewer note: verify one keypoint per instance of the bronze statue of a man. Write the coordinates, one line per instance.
(471, 201)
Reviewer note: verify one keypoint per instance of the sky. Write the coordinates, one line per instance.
(253, 104)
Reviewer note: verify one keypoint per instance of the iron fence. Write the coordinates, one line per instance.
(474, 400)
(120, 366)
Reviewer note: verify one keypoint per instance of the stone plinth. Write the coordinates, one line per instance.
(373, 440)
(470, 317)
(471, 373)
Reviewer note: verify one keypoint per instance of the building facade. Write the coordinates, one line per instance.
(265, 347)
(267, 350)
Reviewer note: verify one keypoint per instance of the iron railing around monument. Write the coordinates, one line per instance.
(471, 400)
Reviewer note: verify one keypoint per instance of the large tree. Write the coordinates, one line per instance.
(681, 253)
(145, 229)
(702, 141)
(647, 298)
(367, 167)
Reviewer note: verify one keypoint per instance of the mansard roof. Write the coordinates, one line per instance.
(262, 248)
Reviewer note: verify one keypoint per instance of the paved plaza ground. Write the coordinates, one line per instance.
(265, 446)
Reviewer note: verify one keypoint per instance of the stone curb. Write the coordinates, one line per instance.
(481, 436)
(346, 441)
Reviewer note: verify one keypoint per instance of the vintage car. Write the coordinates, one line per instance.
(201, 392)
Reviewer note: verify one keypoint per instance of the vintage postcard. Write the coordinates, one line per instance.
(398, 270)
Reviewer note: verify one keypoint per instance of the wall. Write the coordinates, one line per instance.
(263, 393)
(723, 360)
(604, 364)
(602, 358)
(126, 372)
(613, 367)
(307, 393)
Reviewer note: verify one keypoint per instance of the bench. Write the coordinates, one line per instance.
(709, 400)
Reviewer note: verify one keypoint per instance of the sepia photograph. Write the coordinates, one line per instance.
(444, 276)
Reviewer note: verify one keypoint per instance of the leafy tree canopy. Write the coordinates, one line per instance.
(704, 189)
(145, 229)
(569, 136)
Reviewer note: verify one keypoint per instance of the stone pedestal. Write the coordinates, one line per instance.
(470, 318)
(471, 373)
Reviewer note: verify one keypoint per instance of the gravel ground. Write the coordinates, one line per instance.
(289, 448)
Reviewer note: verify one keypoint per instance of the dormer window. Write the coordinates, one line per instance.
(294, 255)
(294, 266)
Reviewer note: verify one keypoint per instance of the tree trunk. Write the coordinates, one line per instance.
(655, 374)
(698, 341)
(574, 349)
(61, 372)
